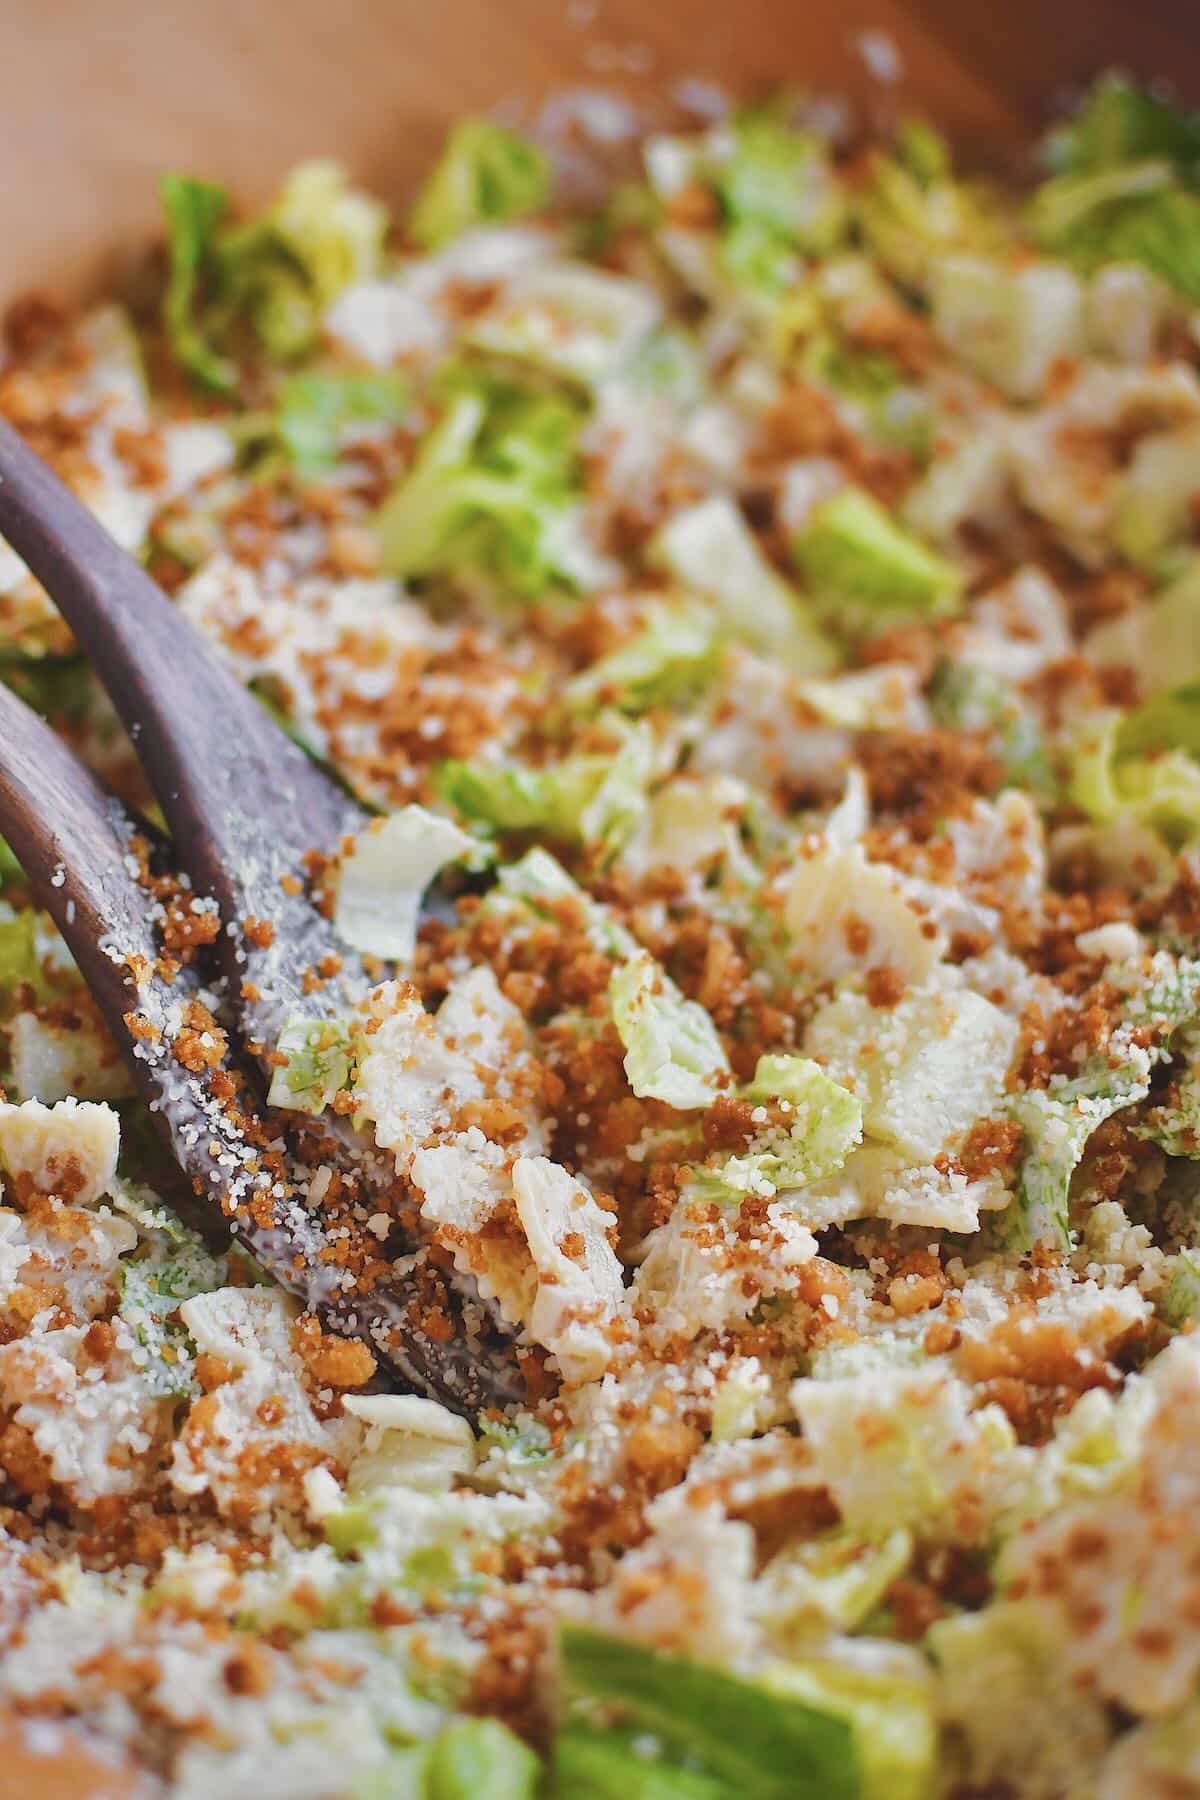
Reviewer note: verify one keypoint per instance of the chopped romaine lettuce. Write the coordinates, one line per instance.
(153, 1287)
(493, 492)
(19, 958)
(710, 549)
(382, 880)
(469, 1759)
(1158, 495)
(1121, 122)
(672, 652)
(821, 1123)
(316, 1061)
(278, 271)
(854, 554)
(1160, 641)
(486, 175)
(910, 211)
(1128, 167)
(1114, 775)
(1010, 326)
(193, 211)
(698, 1731)
(672, 1050)
(593, 797)
(568, 319)
(312, 411)
(1058, 1121)
(890, 1710)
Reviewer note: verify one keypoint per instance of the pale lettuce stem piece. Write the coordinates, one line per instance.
(1058, 1122)
(573, 321)
(672, 1050)
(383, 877)
(710, 549)
(1010, 326)
(890, 1709)
(316, 1054)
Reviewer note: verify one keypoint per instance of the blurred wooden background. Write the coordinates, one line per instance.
(99, 96)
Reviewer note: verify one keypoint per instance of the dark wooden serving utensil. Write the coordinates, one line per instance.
(244, 805)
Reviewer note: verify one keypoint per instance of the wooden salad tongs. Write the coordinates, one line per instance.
(245, 807)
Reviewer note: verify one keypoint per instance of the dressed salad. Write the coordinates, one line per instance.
(766, 600)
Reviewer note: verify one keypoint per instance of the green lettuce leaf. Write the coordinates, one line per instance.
(277, 272)
(1126, 186)
(854, 555)
(822, 1122)
(1058, 1121)
(318, 1055)
(702, 1732)
(672, 1050)
(673, 652)
(313, 409)
(193, 211)
(486, 175)
(710, 549)
(494, 491)
(596, 798)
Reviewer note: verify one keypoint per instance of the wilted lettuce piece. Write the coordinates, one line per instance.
(1058, 1121)
(890, 1710)
(910, 210)
(278, 272)
(672, 1050)
(673, 651)
(710, 549)
(319, 236)
(822, 1122)
(312, 410)
(153, 1287)
(1128, 166)
(1009, 325)
(1113, 776)
(10, 869)
(581, 323)
(1160, 641)
(316, 1057)
(493, 492)
(833, 1581)
(382, 880)
(486, 174)
(1158, 493)
(695, 1730)
(1178, 1301)
(593, 797)
(193, 211)
(1148, 223)
(19, 960)
(852, 551)
(778, 195)
(469, 1759)
(1121, 122)
(540, 882)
